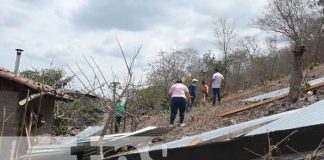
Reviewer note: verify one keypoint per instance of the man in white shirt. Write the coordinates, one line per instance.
(216, 83)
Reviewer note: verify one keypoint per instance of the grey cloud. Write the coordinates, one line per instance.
(17, 13)
(202, 45)
(11, 17)
(112, 52)
(12, 21)
(241, 11)
(140, 64)
(115, 14)
(141, 14)
(33, 26)
(32, 4)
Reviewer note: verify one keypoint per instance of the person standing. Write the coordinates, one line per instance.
(216, 83)
(119, 112)
(192, 92)
(179, 95)
(203, 93)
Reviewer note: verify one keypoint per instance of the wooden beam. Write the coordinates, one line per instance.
(253, 105)
(315, 86)
(266, 101)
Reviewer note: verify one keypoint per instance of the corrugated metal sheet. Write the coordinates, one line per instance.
(89, 131)
(306, 140)
(267, 95)
(117, 140)
(207, 136)
(65, 146)
(279, 92)
(308, 116)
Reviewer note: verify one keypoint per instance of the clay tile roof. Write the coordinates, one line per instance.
(4, 73)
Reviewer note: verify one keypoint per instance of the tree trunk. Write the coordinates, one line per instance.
(297, 74)
(225, 74)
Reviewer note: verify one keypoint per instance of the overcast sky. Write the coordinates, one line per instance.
(67, 30)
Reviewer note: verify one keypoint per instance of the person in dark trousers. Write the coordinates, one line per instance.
(193, 93)
(119, 112)
(179, 95)
(216, 83)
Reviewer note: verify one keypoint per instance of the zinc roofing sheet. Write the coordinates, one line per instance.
(63, 149)
(307, 116)
(206, 136)
(279, 92)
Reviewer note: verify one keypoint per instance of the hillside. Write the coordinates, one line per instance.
(206, 118)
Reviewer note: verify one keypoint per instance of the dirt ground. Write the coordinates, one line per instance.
(206, 118)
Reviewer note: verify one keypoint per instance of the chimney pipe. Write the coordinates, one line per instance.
(17, 60)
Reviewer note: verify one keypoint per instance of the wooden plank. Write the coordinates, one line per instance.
(253, 105)
(315, 86)
(266, 101)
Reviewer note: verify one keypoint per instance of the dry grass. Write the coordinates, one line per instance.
(206, 118)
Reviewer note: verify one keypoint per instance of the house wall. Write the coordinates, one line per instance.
(47, 110)
(9, 102)
(10, 94)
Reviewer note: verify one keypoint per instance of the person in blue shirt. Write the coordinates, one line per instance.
(193, 93)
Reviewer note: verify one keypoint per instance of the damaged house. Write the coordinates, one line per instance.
(26, 106)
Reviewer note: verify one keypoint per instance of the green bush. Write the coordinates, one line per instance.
(60, 126)
(165, 104)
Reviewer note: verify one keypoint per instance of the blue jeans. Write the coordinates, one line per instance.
(216, 92)
(192, 102)
(177, 103)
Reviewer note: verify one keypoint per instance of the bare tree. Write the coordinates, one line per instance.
(315, 40)
(117, 96)
(289, 18)
(164, 70)
(257, 63)
(273, 51)
(170, 66)
(116, 89)
(224, 30)
(250, 43)
(236, 62)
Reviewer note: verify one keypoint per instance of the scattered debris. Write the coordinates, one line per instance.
(309, 93)
(313, 84)
(241, 140)
(85, 144)
(273, 96)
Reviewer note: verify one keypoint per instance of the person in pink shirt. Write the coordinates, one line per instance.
(179, 95)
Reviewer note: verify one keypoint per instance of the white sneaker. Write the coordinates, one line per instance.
(182, 124)
(171, 126)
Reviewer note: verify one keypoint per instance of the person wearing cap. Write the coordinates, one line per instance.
(179, 95)
(193, 92)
